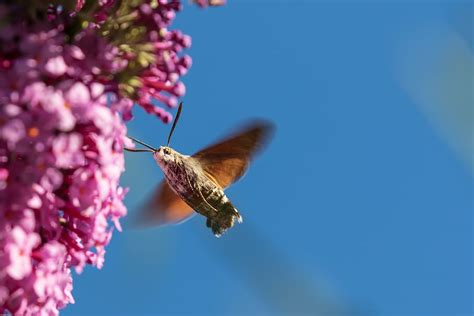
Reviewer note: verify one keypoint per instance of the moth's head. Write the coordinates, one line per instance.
(165, 155)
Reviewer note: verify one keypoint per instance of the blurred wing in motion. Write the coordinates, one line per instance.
(164, 207)
(226, 162)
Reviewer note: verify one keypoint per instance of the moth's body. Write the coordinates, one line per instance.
(189, 181)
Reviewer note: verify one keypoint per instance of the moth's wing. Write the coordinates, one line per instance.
(164, 207)
(226, 161)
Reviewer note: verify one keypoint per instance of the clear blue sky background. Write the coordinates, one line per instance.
(362, 204)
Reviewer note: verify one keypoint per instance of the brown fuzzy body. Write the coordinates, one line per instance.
(190, 182)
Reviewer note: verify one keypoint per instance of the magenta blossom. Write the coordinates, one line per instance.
(69, 77)
(19, 250)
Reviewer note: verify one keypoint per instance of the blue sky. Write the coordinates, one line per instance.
(362, 204)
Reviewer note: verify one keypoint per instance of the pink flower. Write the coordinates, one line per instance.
(124, 106)
(3, 178)
(12, 131)
(55, 66)
(61, 184)
(88, 187)
(19, 250)
(66, 89)
(53, 279)
(67, 150)
(78, 95)
(3, 294)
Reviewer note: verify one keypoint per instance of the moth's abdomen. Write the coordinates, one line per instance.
(203, 195)
(214, 204)
(224, 219)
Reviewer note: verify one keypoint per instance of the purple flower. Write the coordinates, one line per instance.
(12, 131)
(19, 250)
(67, 150)
(55, 66)
(78, 95)
(61, 157)
(69, 77)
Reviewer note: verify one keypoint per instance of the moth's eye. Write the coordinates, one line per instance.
(167, 151)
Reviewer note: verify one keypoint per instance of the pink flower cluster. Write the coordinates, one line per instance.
(60, 163)
(68, 80)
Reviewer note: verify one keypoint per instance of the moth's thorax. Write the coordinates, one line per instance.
(175, 166)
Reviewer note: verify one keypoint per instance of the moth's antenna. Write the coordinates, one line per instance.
(174, 123)
(138, 150)
(142, 143)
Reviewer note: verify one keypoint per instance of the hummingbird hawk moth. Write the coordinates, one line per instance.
(196, 183)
